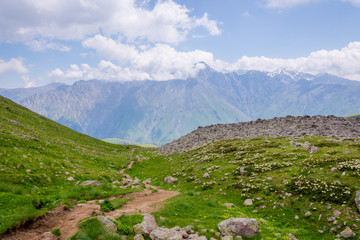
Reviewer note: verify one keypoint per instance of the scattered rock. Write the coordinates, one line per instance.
(247, 227)
(70, 179)
(91, 183)
(312, 149)
(308, 214)
(206, 175)
(48, 236)
(248, 202)
(336, 213)
(170, 179)
(347, 233)
(227, 238)
(357, 200)
(165, 234)
(146, 226)
(138, 237)
(284, 126)
(292, 237)
(107, 223)
(229, 205)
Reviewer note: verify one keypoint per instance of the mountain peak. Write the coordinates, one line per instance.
(294, 75)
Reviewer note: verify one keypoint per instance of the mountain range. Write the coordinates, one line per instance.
(160, 111)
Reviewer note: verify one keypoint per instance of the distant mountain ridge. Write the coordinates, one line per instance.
(159, 112)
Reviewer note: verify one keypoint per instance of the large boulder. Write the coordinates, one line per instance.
(91, 183)
(165, 234)
(109, 226)
(247, 227)
(357, 200)
(347, 233)
(147, 226)
(170, 179)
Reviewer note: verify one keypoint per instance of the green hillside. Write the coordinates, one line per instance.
(284, 182)
(126, 142)
(37, 155)
(282, 178)
(353, 116)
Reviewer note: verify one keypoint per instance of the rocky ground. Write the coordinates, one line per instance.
(330, 126)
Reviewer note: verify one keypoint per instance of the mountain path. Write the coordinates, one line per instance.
(146, 201)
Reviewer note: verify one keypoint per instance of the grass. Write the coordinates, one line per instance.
(283, 180)
(37, 156)
(127, 142)
(353, 116)
(92, 228)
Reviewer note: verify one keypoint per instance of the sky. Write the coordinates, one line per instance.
(43, 42)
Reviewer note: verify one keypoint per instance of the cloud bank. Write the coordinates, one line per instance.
(281, 4)
(166, 22)
(163, 62)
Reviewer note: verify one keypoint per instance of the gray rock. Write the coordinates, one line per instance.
(48, 236)
(312, 149)
(284, 126)
(91, 183)
(357, 200)
(138, 237)
(170, 179)
(308, 214)
(292, 237)
(248, 202)
(107, 223)
(146, 226)
(229, 205)
(247, 227)
(70, 179)
(227, 238)
(347, 233)
(165, 234)
(206, 175)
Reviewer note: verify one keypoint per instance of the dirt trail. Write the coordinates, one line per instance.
(67, 220)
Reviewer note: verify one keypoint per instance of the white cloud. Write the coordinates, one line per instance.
(344, 62)
(167, 21)
(41, 45)
(14, 65)
(281, 4)
(162, 62)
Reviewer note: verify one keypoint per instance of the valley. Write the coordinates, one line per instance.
(294, 186)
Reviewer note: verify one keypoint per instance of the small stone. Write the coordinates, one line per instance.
(320, 231)
(292, 237)
(138, 237)
(67, 173)
(91, 183)
(263, 220)
(206, 175)
(333, 169)
(28, 171)
(70, 179)
(248, 202)
(170, 179)
(308, 214)
(336, 213)
(296, 217)
(331, 219)
(229, 205)
(347, 233)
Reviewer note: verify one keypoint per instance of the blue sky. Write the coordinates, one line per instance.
(42, 42)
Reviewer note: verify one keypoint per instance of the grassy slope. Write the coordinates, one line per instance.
(126, 142)
(273, 169)
(36, 157)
